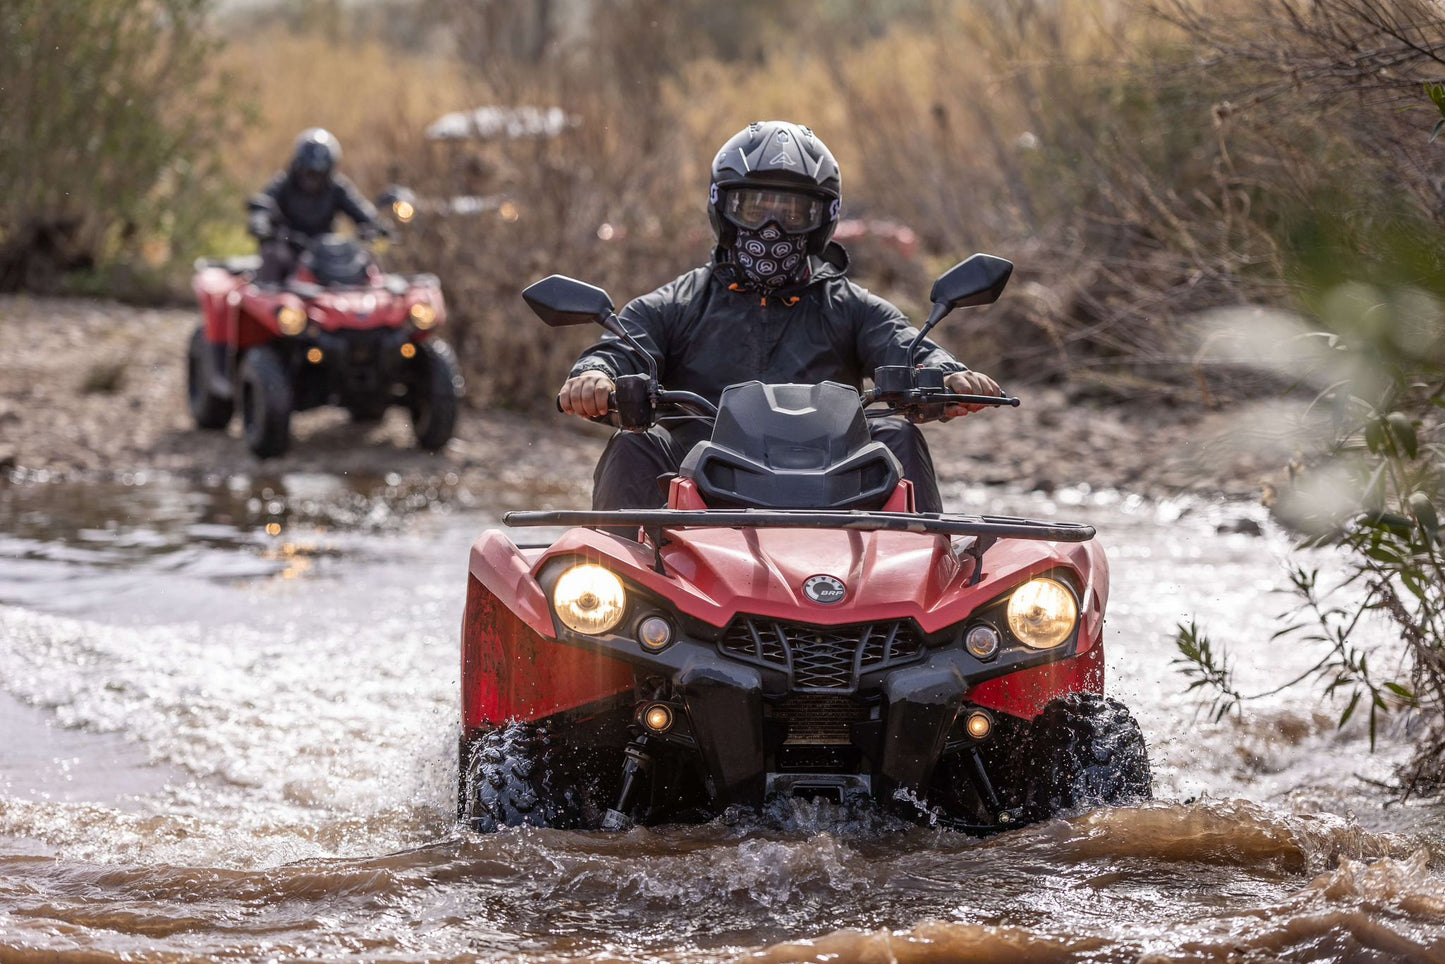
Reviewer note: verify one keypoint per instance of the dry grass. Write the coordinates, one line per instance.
(1124, 161)
(376, 99)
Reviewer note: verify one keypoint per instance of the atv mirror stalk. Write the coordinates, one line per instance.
(977, 280)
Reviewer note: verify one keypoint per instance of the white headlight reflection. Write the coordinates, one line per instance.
(1042, 613)
(589, 599)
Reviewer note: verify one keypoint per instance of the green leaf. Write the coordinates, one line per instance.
(1403, 431)
(1349, 710)
(1424, 512)
(1439, 126)
(1383, 554)
(1401, 692)
(1376, 438)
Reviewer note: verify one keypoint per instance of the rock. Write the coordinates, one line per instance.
(1242, 526)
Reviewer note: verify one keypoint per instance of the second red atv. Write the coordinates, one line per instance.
(340, 331)
(788, 625)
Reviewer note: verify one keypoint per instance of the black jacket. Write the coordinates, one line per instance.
(314, 214)
(706, 335)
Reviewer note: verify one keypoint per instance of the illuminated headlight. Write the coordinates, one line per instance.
(658, 717)
(979, 724)
(424, 316)
(589, 599)
(291, 320)
(1042, 613)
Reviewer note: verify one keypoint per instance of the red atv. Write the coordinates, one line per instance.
(788, 625)
(339, 332)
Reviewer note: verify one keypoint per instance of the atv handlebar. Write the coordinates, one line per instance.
(637, 399)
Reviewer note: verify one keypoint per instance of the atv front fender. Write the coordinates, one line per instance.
(513, 666)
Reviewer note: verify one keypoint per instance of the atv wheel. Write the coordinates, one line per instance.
(434, 393)
(509, 781)
(211, 411)
(1082, 750)
(266, 402)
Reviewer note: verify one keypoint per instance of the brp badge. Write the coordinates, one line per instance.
(824, 589)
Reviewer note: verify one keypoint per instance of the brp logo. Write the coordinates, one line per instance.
(826, 590)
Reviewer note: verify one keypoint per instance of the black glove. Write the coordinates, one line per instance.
(260, 226)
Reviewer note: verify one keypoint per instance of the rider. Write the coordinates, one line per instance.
(304, 200)
(773, 305)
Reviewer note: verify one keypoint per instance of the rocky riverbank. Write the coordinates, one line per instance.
(94, 389)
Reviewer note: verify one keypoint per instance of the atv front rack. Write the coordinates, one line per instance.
(998, 527)
(986, 529)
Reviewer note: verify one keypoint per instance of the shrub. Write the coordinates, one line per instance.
(110, 124)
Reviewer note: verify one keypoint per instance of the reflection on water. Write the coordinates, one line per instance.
(233, 744)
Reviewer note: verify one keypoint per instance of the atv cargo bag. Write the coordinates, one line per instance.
(792, 447)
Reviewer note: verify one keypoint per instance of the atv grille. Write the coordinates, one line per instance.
(816, 719)
(821, 658)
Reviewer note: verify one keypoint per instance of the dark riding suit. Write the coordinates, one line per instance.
(309, 213)
(706, 334)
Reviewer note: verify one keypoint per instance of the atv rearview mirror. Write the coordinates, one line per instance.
(977, 280)
(561, 301)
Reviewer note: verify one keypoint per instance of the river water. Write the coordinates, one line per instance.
(227, 732)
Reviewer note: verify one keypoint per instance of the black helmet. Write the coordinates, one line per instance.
(317, 150)
(778, 156)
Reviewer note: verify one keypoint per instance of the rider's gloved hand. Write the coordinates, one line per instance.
(370, 232)
(260, 226)
(586, 394)
(968, 383)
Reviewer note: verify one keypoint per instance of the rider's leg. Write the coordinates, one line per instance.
(628, 471)
(277, 262)
(907, 443)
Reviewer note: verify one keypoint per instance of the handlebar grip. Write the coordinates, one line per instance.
(611, 408)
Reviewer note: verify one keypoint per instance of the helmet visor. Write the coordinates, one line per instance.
(752, 208)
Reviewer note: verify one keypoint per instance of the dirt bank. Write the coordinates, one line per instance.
(92, 389)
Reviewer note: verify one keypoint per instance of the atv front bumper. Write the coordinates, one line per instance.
(814, 706)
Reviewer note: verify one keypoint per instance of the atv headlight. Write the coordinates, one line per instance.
(291, 320)
(423, 315)
(589, 599)
(1042, 613)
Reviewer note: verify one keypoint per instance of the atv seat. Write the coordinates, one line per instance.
(792, 447)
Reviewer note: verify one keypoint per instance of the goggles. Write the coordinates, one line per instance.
(752, 208)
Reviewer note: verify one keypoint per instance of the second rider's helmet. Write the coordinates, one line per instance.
(774, 170)
(315, 157)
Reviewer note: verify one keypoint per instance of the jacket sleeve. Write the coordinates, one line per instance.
(352, 204)
(882, 336)
(651, 319)
(263, 210)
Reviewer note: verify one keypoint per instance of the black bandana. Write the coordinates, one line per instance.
(770, 257)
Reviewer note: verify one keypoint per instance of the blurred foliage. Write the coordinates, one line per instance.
(1139, 161)
(111, 120)
(1377, 282)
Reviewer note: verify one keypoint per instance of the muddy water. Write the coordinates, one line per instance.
(219, 742)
